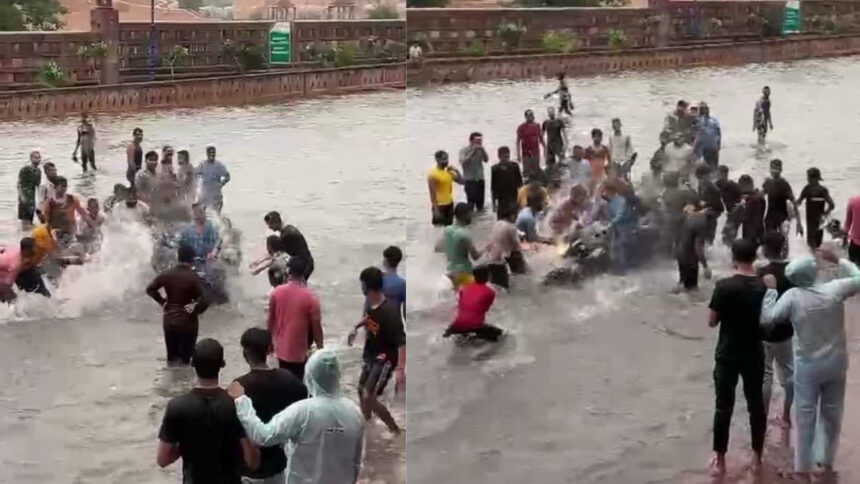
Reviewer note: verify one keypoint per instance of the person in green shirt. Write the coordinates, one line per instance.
(458, 247)
(29, 179)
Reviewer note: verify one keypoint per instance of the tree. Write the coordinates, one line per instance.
(191, 4)
(177, 55)
(381, 10)
(52, 75)
(92, 53)
(31, 14)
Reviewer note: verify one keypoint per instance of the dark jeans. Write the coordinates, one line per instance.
(475, 193)
(854, 253)
(506, 202)
(711, 228)
(297, 369)
(565, 107)
(88, 157)
(688, 271)
(517, 263)
(30, 280)
(814, 237)
(726, 373)
(446, 215)
(711, 157)
(486, 332)
(499, 275)
(180, 344)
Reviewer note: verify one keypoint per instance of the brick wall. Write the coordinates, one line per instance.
(306, 33)
(21, 54)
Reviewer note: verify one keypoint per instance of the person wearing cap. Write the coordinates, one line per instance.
(780, 203)
(295, 319)
(213, 175)
(201, 426)
(708, 137)
(818, 207)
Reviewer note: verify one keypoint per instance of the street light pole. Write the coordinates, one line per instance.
(153, 43)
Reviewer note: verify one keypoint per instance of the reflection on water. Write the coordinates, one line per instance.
(82, 383)
(612, 382)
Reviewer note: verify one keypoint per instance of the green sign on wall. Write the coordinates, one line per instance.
(280, 44)
(791, 18)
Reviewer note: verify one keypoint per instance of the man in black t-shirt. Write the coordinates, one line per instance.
(201, 427)
(730, 193)
(818, 206)
(710, 200)
(384, 336)
(293, 243)
(271, 390)
(690, 249)
(553, 129)
(736, 308)
(674, 199)
(779, 354)
(505, 181)
(779, 197)
(751, 210)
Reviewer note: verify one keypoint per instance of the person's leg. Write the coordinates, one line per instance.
(832, 404)
(854, 253)
(784, 362)
(806, 391)
(187, 339)
(31, 280)
(753, 374)
(767, 381)
(725, 381)
(711, 227)
(380, 373)
(92, 156)
(171, 344)
(480, 194)
(469, 188)
(499, 275)
(517, 263)
(489, 332)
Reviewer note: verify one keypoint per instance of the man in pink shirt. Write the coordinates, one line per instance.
(529, 142)
(294, 319)
(11, 261)
(852, 228)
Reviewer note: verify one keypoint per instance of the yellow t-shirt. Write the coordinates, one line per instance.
(444, 186)
(523, 196)
(45, 243)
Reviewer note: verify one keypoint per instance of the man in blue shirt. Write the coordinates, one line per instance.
(709, 137)
(201, 235)
(213, 175)
(622, 223)
(393, 286)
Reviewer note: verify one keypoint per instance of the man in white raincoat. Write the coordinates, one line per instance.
(817, 312)
(325, 432)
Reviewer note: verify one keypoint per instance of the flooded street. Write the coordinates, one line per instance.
(83, 387)
(611, 383)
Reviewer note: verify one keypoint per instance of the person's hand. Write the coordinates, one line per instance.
(212, 255)
(800, 230)
(189, 308)
(707, 273)
(235, 390)
(399, 380)
(350, 339)
(828, 254)
(769, 281)
(74, 157)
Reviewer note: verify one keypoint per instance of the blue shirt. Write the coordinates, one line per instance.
(619, 213)
(709, 136)
(527, 224)
(203, 243)
(394, 288)
(212, 176)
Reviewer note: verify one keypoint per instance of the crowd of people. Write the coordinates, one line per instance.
(674, 210)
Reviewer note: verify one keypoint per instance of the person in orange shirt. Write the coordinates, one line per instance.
(35, 251)
(61, 212)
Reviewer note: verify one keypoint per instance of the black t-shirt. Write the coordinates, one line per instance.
(777, 270)
(505, 180)
(753, 213)
(816, 197)
(694, 228)
(730, 192)
(203, 423)
(271, 391)
(737, 300)
(779, 193)
(385, 334)
(711, 197)
(293, 243)
(674, 201)
(553, 128)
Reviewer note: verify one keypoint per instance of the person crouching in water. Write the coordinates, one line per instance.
(476, 298)
(275, 262)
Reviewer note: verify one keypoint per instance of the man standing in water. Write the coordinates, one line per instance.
(762, 121)
(529, 144)
(505, 181)
(441, 181)
(710, 200)
(852, 229)
(598, 156)
(271, 390)
(61, 213)
(458, 247)
(730, 193)
(29, 179)
(46, 190)
(736, 307)
(86, 142)
(202, 428)
(678, 122)
(293, 243)
(709, 137)
(752, 207)
(678, 157)
(294, 319)
(134, 156)
(384, 338)
(690, 249)
(556, 137)
(565, 100)
(201, 235)
(472, 159)
(213, 176)
(818, 207)
(185, 176)
(779, 197)
(145, 180)
(182, 306)
(621, 154)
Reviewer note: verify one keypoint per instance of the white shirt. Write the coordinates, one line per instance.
(620, 148)
(678, 158)
(45, 192)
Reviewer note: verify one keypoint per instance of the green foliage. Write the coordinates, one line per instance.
(426, 3)
(511, 33)
(562, 3)
(31, 15)
(252, 57)
(176, 56)
(345, 55)
(381, 10)
(93, 52)
(560, 42)
(617, 39)
(191, 4)
(51, 74)
(475, 49)
(615, 3)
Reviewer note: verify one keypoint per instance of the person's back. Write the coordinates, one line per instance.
(394, 287)
(456, 239)
(475, 300)
(738, 299)
(182, 286)
(527, 224)
(203, 424)
(292, 309)
(776, 268)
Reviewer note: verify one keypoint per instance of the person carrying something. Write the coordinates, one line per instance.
(183, 304)
(556, 137)
(456, 243)
(275, 262)
(505, 182)
(674, 199)
(529, 143)
(527, 220)
(441, 181)
(779, 197)
(736, 306)
(213, 175)
(271, 390)
(293, 242)
(475, 301)
(690, 249)
(384, 338)
(86, 142)
(472, 159)
(202, 429)
(201, 235)
(817, 313)
(295, 319)
(818, 207)
(504, 249)
(325, 432)
(29, 179)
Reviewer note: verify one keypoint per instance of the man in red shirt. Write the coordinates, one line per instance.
(475, 300)
(529, 144)
(294, 319)
(852, 229)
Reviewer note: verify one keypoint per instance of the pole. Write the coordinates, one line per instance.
(153, 43)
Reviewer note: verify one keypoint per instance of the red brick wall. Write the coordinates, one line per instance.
(21, 54)
(308, 32)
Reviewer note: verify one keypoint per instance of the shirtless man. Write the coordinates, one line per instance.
(134, 156)
(62, 211)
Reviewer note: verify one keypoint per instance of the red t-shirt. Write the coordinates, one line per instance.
(475, 301)
(530, 134)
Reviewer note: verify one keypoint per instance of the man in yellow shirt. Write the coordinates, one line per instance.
(44, 247)
(533, 186)
(441, 181)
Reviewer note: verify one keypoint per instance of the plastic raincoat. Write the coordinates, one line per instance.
(820, 352)
(324, 433)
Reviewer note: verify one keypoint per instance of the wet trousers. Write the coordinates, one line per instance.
(778, 357)
(819, 400)
(475, 193)
(179, 344)
(619, 249)
(279, 478)
(726, 373)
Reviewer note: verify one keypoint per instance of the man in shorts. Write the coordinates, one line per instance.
(384, 337)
